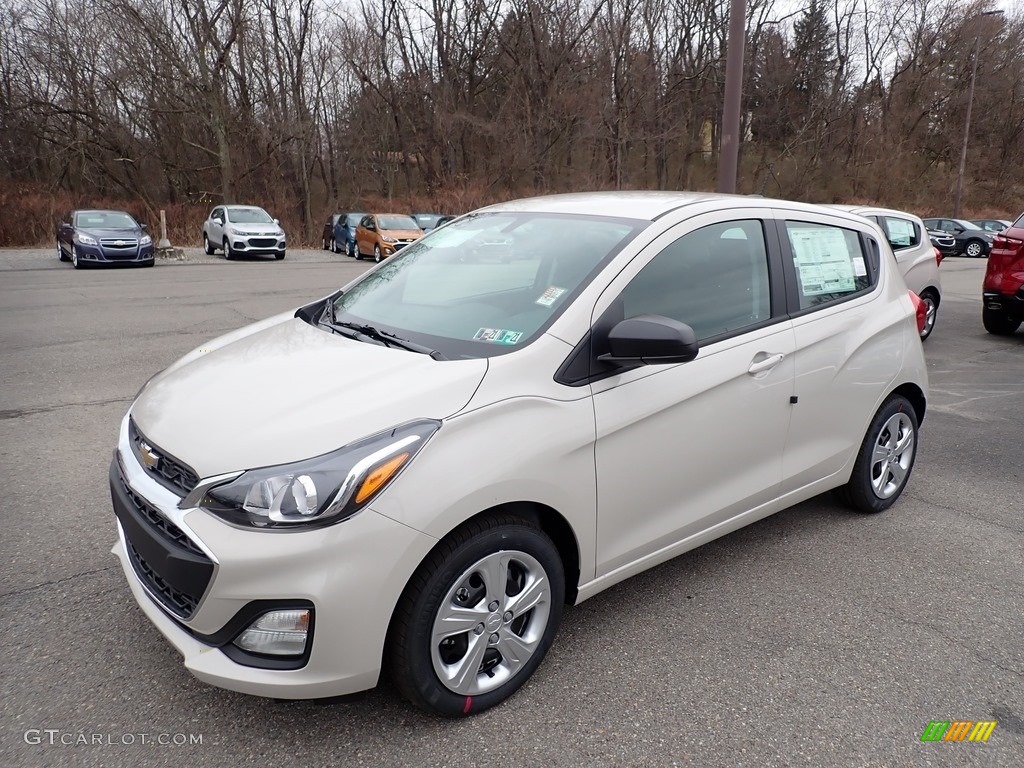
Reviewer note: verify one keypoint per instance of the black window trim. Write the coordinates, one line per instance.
(879, 218)
(872, 260)
(581, 366)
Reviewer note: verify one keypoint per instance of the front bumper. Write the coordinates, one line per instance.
(103, 253)
(1011, 305)
(351, 574)
(257, 244)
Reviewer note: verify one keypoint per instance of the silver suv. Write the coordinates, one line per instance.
(243, 229)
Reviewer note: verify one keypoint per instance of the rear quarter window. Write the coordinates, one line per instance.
(830, 263)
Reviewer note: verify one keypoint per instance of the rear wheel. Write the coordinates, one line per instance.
(886, 458)
(477, 617)
(997, 323)
(931, 303)
(974, 248)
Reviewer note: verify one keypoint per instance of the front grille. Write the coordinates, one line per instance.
(166, 470)
(262, 242)
(178, 602)
(399, 246)
(164, 527)
(119, 243)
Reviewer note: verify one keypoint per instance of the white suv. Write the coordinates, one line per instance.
(917, 257)
(243, 230)
(425, 467)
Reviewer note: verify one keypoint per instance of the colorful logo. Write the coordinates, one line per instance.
(958, 730)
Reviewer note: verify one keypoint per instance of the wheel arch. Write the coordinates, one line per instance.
(916, 396)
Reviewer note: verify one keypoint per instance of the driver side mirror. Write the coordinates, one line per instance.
(143, 226)
(277, 221)
(651, 340)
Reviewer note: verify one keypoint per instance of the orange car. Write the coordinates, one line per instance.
(382, 234)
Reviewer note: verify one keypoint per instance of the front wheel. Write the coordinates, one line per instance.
(477, 617)
(376, 254)
(974, 249)
(886, 458)
(350, 248)
(228, 255)
(997, 323)
(60, 253)
(207, 245)
(279, 255)
(75, 261)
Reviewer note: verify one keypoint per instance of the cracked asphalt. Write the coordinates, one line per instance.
(817, 637)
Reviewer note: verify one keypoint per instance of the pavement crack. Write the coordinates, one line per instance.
(17, 413)
(965, 513)
(53, 582)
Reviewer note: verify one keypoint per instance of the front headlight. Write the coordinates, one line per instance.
(323, 490)
(145, 240)
(387, 239)
(85, 239)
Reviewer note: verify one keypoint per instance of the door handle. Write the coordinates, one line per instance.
(766, 364)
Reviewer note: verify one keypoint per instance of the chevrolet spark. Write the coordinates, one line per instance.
(416, 474)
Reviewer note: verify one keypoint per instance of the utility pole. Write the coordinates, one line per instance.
(958, 198)
(729, 152)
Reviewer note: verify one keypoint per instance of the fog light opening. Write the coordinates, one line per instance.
(277, 633)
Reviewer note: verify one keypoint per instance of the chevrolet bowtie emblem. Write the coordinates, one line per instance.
(148, 456)
(119, 242)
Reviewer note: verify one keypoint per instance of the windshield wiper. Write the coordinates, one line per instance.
(384, 337)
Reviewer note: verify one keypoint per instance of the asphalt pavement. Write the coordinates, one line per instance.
(817, 637)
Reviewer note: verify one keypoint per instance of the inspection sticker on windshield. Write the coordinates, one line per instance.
(498, 336)
(550, 296)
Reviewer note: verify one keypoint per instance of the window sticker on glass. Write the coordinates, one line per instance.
(822, 261)
(550, 296)
(498, 336)
(900, 232)
(859, 269)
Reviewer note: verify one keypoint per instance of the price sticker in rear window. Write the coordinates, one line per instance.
(498, 336)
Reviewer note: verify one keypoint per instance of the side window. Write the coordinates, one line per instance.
(829, 261)
(901, 233)
(714, 279)
(366, 222)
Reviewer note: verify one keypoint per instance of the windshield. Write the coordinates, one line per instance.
(391, 221)
(427, 220)
(487, 284)
(249, 216)
(105, 220)
(353, 219)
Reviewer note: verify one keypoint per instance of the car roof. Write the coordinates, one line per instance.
(244, 207)
(643, 205)
(862, 210)
(100, 210)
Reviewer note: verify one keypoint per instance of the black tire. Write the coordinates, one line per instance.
(409, 655)
(334, 245)
(207, 245)
(931, 300)
(280, 255)
(76, 262)
(328, 247)
(997, 323)
(61, 256)
(228, 255)
(978, 248)
(377, 257)
(359, 253)
(350, 248)
(147, 263)
(860, 492)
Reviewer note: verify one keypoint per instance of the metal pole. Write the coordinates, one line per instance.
(729, 153)
(967, 132)
(164, 243)
(957, 199)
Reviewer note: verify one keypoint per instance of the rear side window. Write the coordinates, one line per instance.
(830, 263)
(1019, 222)
(901, 233)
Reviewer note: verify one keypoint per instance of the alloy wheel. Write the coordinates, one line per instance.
(892, 456)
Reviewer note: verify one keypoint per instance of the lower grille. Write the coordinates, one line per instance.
(262, 242)
(164, 527)
(182, 604)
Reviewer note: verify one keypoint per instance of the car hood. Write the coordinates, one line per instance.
(290, 391)
(261, 229)
(402, 234)
(107, 232)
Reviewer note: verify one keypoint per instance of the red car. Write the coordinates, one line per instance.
(1002, 293)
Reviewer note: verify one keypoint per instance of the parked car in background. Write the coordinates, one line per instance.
(427, 221)
(444, 220)
(103, 237)
(992, 225)
(344, 240)
(944, 242)
(971, 240)
(918, 260)
(1002, 291)
(382, 234)
(329, 225)
(243, 230)
(417, 473)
